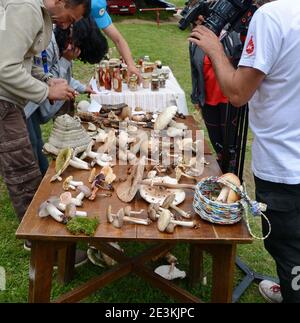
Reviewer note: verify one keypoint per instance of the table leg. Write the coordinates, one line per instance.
(196, 264)
(66, 263)
(223, 272)
(40, 271)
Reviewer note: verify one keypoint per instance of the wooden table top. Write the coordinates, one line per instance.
(33, 227)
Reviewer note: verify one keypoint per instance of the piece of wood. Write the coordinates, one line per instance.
(40, 271)
(66, 263)
(196, 264)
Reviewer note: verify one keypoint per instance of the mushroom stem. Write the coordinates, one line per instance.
(187, 224)
(55, 212)
(149, 182)
(181, 212)
(136, 220)
(223, 194)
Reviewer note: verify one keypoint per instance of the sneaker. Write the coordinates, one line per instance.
(270, 291)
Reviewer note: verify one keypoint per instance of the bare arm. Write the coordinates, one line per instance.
(239, 84)
(112, 32)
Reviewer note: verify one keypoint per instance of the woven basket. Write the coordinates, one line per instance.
(215, 211)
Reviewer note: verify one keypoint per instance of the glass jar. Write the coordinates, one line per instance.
(133, 83)
(146, 58)
(155, 84)
(146, 81)
(162, 81)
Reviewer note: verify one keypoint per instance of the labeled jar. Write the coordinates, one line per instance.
(155, 84)
(146, 81)
(133, 83)
(162, 81)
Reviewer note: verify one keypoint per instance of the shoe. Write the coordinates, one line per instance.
(27, 245)
(270, 291)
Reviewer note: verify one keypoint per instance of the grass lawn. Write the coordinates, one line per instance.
(169, 45)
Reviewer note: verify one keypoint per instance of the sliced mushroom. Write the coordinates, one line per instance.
(168, 203)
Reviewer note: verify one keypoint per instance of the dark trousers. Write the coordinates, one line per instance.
(283, 244)
(36, 139)
(18, 166)
(214, 117)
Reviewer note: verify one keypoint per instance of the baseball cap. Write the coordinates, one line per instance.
(100, 14)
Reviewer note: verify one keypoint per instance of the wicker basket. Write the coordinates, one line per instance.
(214, 211)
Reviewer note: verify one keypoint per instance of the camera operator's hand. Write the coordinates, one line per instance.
(206, 40)
(200, 20)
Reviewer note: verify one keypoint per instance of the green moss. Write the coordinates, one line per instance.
(80, 225)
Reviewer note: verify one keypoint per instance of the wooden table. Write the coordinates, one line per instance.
(47, 236)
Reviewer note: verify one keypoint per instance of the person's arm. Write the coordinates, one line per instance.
(112, 32)
(238, 85)
(16, 40)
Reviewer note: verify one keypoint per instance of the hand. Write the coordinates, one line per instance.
(206, 40)
(200, 20)
(54, 81)
(133, 70)
(89, 90)
(61, 91)
(71, 53)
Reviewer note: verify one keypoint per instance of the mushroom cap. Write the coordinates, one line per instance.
(109, 215)
(65, 198)
(152, 211)
(70, 211)
(63, 159)
(126, 113)
(157, 194)
(83, 106)
(109, 174)
(67, 182)
(126, 190)
(165, 118)
(43, 212)
(55, 200)
(85, 190)
(127, 210)
(168, 201)
(170, 227)
(164, 220)
(233, 179)
(119, 219)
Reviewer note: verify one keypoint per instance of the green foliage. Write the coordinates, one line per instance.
(83, 225)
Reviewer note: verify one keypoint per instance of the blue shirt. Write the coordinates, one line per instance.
(100, 14)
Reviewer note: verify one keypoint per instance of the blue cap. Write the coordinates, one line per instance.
(99, 13)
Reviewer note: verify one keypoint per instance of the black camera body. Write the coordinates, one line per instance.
(218, 15)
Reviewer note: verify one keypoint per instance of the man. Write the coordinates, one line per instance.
(27, 31)
(104, 22)
(268, 75)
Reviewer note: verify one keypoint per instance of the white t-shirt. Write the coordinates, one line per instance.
(273, 47)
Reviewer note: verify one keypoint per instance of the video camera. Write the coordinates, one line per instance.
(234, 13)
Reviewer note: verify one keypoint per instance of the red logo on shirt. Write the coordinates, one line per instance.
(250, 46)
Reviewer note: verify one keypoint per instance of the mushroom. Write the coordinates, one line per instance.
(69, 183)
(168, 203)
(56, 201)
(74, 162)
(71, 212)
(85, 192)
(128, 211)
(165, 118)
(178, 125)
(83, 106)
(109, 144)
(99, 182)
(92, 175)
(126, 190)
(165, 218)
(125, 113)
(47, 208)
(100, 158)
(227, 195)
(179, 173)
(152, 211)
(62, 162)
(67, 198)
(169, 272)
(109, 174)
(101, 135)
(175, 132)
(120, 218)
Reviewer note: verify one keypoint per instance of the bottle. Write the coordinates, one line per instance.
(154, 84)
(133, 83)
(101, 74)
(107, 79)
(117, 80)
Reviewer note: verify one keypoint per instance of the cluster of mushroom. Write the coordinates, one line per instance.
(64, 207)
(227, 195)
(166, 221)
